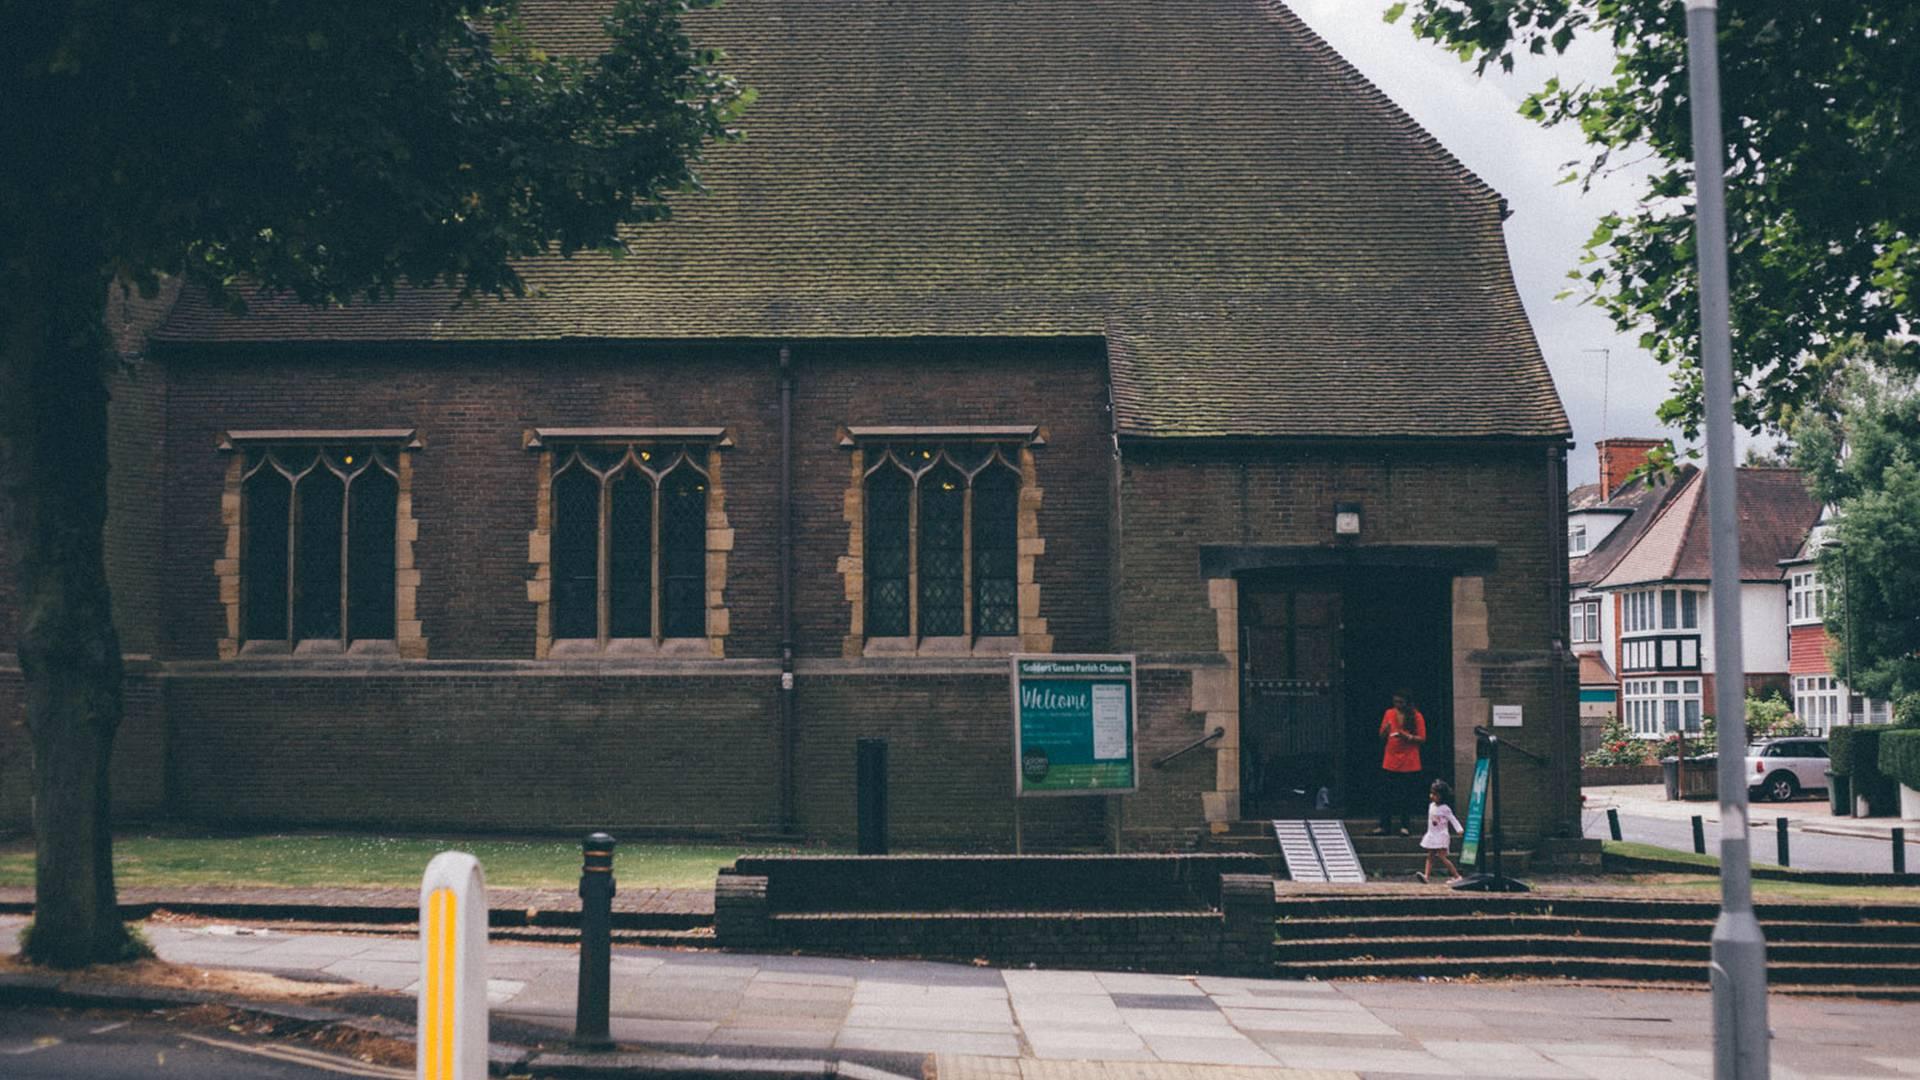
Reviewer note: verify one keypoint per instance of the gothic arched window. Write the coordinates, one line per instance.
(941, 541)
(318, 540)
(628, 541)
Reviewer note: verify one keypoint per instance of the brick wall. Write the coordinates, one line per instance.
(474, 487)
(1176, 499)
(1061, 388)
(136, 519)
(139, 751)
(485, 736)
(949, 735)
(475, 751)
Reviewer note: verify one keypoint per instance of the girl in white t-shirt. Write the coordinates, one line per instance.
(1439, 819)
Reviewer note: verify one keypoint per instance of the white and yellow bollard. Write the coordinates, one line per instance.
(453, 969)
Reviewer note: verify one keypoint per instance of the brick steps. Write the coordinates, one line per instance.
(1893, 935)
(1392, 856)
(1859, 980)
(1292, 950)
(1855, 950)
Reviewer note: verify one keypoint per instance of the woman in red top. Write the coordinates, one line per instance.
(1402, 730)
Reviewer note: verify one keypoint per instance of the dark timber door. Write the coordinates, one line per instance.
(1292, 737)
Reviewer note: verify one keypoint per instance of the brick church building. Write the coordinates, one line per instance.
(1049, 327)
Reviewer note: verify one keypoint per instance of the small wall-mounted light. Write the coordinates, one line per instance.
(1346, 519)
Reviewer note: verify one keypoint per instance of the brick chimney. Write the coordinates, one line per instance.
(1618, 459)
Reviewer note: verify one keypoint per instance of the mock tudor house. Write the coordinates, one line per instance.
(1055, 327)
(1604, 521)
(1654, 590)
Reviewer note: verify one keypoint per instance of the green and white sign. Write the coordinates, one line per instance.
(1476, 816)
(1073, 725)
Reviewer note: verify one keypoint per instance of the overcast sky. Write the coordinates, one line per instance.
(1606, 395)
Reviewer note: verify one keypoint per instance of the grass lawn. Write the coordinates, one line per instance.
(1634, 850)
(1763, 888)
(315, 860)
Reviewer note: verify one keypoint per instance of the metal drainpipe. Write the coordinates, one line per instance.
(787, 733)
(1569, 750)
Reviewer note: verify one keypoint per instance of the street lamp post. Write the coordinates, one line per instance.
(1739, 965)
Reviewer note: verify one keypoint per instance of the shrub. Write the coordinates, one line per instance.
(1900, 757)
(1854, 752)
(1772, 718)
(1618, 747)
(1906, 711)
(1704, 741)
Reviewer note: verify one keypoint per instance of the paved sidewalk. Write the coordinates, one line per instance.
(635, 899)
(982, 1022)
(1804, 815)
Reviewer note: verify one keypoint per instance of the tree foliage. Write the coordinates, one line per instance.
(1820, 101)
(1860, 449)
(331, 150)
(340, 148)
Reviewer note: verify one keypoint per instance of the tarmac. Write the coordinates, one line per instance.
(1803, 815)
(707, 1012)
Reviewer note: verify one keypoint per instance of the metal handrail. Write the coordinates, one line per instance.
(1196, 744)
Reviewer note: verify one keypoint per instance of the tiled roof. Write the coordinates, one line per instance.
(1270, 246)
(1586, 497)
(1642, 499)
(1775, 513)
(1594, 670)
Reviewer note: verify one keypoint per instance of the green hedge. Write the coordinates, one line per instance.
(1855, 750)
(1900, 756)
(1855, 753)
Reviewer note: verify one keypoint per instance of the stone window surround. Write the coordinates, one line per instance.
(720, 540)
(1033, 635)
(409, 642)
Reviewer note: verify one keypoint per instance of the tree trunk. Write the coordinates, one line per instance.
(53, 471)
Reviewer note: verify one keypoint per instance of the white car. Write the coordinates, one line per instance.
(1780, 769)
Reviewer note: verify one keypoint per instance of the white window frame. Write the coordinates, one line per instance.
(1644, 611)
(1577, 538)
(1806, 598)
(1655, 707)
(1584, 619)
(1820, 702)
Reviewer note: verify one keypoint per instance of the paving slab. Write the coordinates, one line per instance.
(1235, 1049)
(931, 1018)
(1084, 1045)
(1103, 1025)
(773, 1038)
(897, 1040)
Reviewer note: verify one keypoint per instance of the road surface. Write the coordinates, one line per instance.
(67, 1044)
(1808, 851)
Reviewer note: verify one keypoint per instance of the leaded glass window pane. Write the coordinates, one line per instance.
(316, 555)
(630, 556)
(372, 513)
(264, 561)
(575, 553)
(996, 548)
(683, 553)
(943, 494)
(889, 506)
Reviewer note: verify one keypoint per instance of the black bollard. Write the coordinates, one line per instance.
(1613, 822)
(1699, 836)
(1899, 850)
(870, 795)
(590, 1030)
(1780, 828)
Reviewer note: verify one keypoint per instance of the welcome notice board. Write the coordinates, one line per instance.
(1074, 725)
